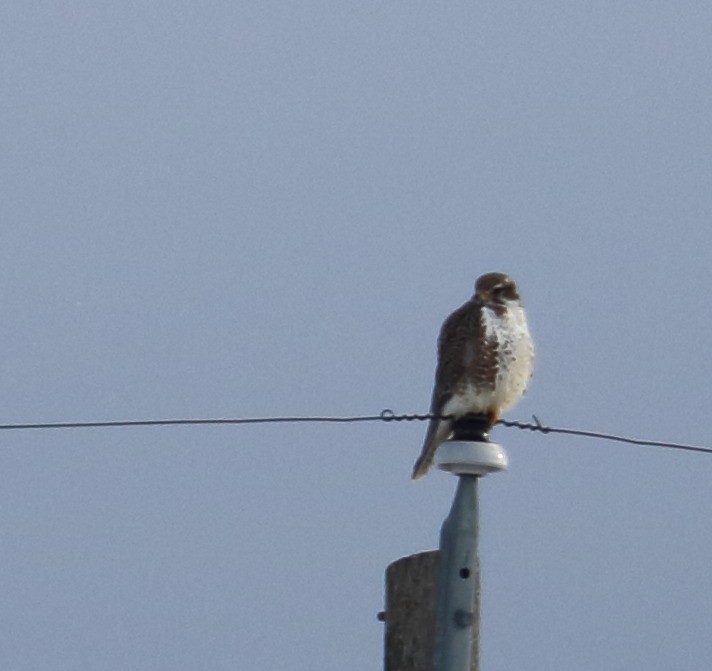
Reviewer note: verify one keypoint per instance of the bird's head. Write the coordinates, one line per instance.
(496, 289)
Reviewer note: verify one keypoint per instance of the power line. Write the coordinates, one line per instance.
(538, 426)
(387, 415)
(174, 422)
(384, 416)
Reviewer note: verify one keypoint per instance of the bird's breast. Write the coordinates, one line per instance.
(508, 334)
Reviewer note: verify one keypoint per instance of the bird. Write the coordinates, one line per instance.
(485, 361)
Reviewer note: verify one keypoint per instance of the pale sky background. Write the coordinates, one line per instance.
(234, 209)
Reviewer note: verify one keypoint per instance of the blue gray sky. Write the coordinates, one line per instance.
(228, 209)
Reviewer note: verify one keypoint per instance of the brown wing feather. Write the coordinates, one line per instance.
(457, 356)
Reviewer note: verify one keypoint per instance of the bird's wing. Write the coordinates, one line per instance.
(456, 351)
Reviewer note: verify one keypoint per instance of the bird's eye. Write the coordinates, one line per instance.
(499, 293)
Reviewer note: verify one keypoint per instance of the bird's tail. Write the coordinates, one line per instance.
(421, 466)
(438, 431)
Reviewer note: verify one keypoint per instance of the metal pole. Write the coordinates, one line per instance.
(457, 613)
(457, 610)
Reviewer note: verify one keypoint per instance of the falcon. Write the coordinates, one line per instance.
(485, 360)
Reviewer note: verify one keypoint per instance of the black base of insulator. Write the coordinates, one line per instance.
(473, 428)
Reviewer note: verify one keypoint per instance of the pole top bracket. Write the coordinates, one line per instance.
(467, 457)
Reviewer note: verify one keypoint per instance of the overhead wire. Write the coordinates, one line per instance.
(384, 416)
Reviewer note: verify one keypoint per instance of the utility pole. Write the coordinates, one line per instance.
(432, 611)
